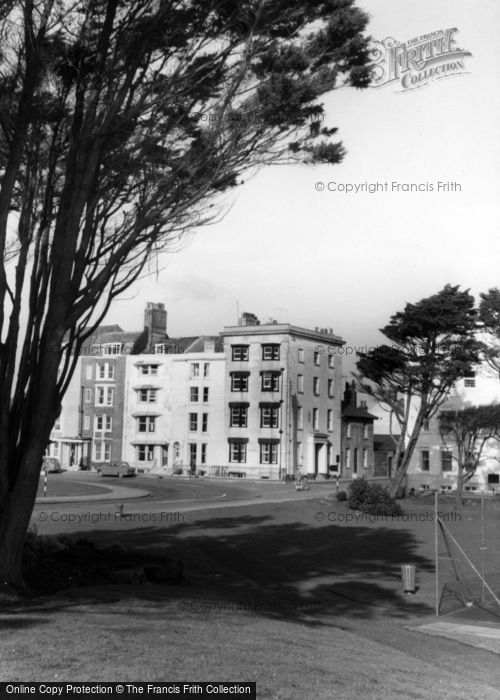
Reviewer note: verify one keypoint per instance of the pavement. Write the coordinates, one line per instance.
(483, 636)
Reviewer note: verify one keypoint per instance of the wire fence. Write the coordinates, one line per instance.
(467, 558)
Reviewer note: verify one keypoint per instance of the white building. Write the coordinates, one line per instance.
(66, 440)
(173, 410)
(259, 400)
(433, 464)
(197, 410)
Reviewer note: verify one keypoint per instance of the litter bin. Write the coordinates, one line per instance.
(408, 575)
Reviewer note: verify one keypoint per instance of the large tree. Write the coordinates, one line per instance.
(489, 317)
(433, 345)
(465, 433)
(121, 123)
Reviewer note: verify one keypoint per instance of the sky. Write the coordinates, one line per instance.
(345, 260)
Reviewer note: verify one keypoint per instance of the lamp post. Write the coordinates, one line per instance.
(280, 466)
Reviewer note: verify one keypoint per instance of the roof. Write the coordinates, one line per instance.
(112, 334)
(384, 443)
(185, 343)
(118, 337)
(284, 329)
(356, 412)
(113, 328)
(138, 341)
(192, 343)
(199, 344)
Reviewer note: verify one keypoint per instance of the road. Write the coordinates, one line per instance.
(175, 488)
(74, 496)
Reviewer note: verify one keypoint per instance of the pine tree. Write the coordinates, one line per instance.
(433, 345)
(121, 123)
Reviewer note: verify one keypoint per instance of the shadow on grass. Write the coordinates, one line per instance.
(16, 622)
(252, 564)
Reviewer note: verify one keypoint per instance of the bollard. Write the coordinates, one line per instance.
(119, 509)
(408, 572)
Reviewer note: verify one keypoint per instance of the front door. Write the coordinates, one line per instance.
(317, 453)
(164, 456)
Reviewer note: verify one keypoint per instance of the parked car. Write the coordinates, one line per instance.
(119, 469)
(51, 464)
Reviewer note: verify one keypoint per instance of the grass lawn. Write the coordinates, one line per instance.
(308, 606)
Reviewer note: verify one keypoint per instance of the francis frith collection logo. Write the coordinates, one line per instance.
(417, 62)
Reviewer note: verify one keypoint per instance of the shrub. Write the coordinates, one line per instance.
(358, 493)
(372, 499)
(380, 503)
(341, 496)
(54, 563)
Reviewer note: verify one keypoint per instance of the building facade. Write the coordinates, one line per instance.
(173, 410)
(256, 401)
(67, 443)
(384, 450)
(282, 399)
(434, 464)
(357, 437)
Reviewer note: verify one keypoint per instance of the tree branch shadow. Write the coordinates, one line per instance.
(249, 564)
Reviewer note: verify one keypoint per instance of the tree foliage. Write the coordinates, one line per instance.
(489, 317)
(121, 123)
(465, 433)
(433, 345)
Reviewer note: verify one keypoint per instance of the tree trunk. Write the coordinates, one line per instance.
(21, 469)
(406, 456)
(460, 487)
(15, 515)
(396, 482)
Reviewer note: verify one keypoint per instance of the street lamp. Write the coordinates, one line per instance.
(282, 369)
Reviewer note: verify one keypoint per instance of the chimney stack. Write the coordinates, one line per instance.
(249, 319)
